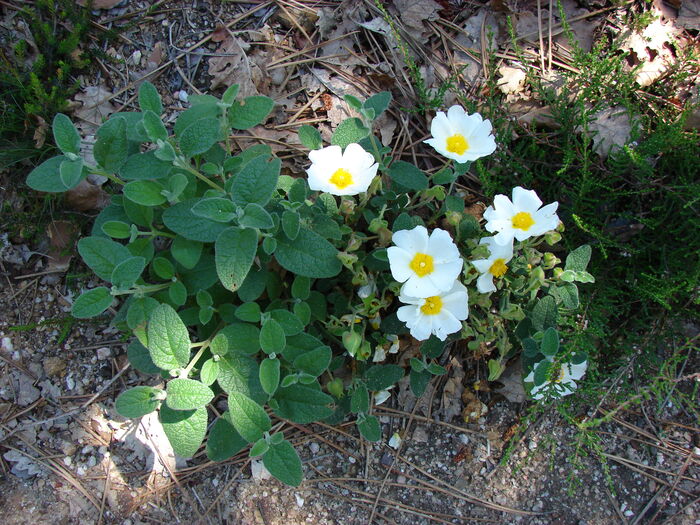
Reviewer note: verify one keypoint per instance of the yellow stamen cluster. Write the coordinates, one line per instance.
(432, 305)
(523, 221)
(422, 264)
(457, 144)
(341, 178)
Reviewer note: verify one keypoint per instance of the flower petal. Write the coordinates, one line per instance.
(484, 284)
(440, 127)
(441, 246)
(408, 314)
(456, 302)
(328, 156)
(420, 287)
(482, 265)
(444, 324)
(399, 260)
(413, 241)
(525, 200)
(445, 274)
(577, 371)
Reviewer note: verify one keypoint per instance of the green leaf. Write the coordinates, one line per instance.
(542, 372)
(290, 224)
(314, 362)
(259, 448)
(370, 429)
(229, 95)
(248, 418)
(544, 314)
(127, 272)
(310, 137)
(378, 102)
(219, 345)
(116, 229)
(163, 268)
(238, 373)
(302, 404)
(187, 394)
(359, 403)
(144, 192)
(185, 429)
(102, 255)
(140, 311)
(419, 381)
(140, 358)
(92, 303)
(177, 293)
(195, 113)
(349, 131)
(436, 369)
(309, 255)
(235, 250)
(155, 129)
(256, 182)
(71, 172)
(302, 311)
(65, 135)
(46, 176)
(168, 339)
(496, 369)
(224, 441)
(111, 147)
(255, 216)
(249, 112)
(283, 462)
(287, 320)
(270, 375)
(530, 347)
(269, 245)
(248, 312)
(550, 342)
(145, 166)
(433, 347)
(408, 176)
(186, 252)
(568, 294)
(199, 136)
(149, 99)
(380, 377)
(180, 219)
(215, 209)
(272, 337)
(138, 401)
(352, 101)
(243, 338)
(578, 259)
(142, 248)
(301, 287)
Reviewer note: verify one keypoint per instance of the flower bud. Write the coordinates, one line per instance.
(377, 223)
(347, 206)
(335, 387)
(385, 235)
(354, 243)
(557, 272)
(347, 259)
(552, 237)
(364, 351)
(453, 218)
(550, 260)
(351, 341)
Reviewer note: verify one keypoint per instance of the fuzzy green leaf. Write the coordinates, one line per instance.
(314, 362)
(283, 462)
(155, 129)
(127, 272)
(302, 404)
(186, 252)
(65, 135)
(144, 192)
(550, 342)
(370, 429)
(46, 176)
(270, 375)
(272, 337)
(168, 339)
(248, 417)
(111, 147)
(234, 253)
(102, 255)
(199, 136)
(185, 429)
(544, 314)
(71, 172)
(359, 402)
(180, 219)
(145, 166)
(378, 102)
(149, 99)
(256, 182)
(92, 303)
(255, 216)
(290, 224)
(249, 112)
(249, 312)
(408, 176)
(187, 394)
(140, 358)
(238, 373)
(224, 441)
(578, 259)
(138, 401)
(309, 255)
(310, 137)
(215, 209)
(349, 131)
(380, 377)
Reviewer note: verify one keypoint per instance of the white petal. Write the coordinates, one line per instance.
(504, 237)
(466, 124)
(455, 113)
(408, 314)
(445, 274)
(503, 206)
(441, 246)
(490, 214)
(577, 371)
(545, 219)
(456, 302)
(521, 235)
(420, 287)
(399, 260)
(482, 265)
(444, 324)
(440, 127)
(530, 378)
(485, 283)
(526, 200)
(330, 155)
(422, 329)
(536, 391)
(413, 241)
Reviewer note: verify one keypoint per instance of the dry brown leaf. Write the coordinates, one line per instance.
(95, 104)
(583, 30)
(610, 128)
(532, 113)
(232, 66)
(450, 401)
(512, 381)
(333, 27)
(86, 196)
(473, 407)
(415, 13)
(39, 136)
(101, 4)
(689, 14)
(62, 236)
(512, 80)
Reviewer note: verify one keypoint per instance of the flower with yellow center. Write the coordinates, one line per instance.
(560, 382)
(426, 264)
(341, 172)
(440, 314)
(494, 266)
(460, 136)
(521, 218)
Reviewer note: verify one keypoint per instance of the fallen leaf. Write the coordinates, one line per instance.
(689, 14)
(512, 383)
(450, 401)
(39, 136)
(415, 13)
(473, 407)
(62, 236)
(95, 104)
(86, 196)
(232, 66)
(512, 80)
(610, 128)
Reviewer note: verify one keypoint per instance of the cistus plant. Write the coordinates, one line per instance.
(289, 294)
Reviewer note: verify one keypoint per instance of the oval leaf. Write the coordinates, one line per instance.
(185, 429)
(248, 418)
(168, 339)
(187, 394)
(138, 401)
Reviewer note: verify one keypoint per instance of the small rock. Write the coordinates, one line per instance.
(300, 500)
(314, 447)
(103, 353)
(7, 344)
(53, 366)
(420, 435)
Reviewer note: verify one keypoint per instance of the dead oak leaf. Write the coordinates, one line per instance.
(512, 80)
(610, 128)
(415, 14)
(689, 14)
(231, 65)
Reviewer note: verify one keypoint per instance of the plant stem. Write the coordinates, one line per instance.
(202, 177)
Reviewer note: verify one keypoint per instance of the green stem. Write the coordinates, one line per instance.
(200, 352)
(202, 178)
(143, 289)
(110, 176)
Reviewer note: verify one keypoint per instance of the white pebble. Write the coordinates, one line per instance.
(300, 500)
(183, 96)
(7, 344)
(103, 353)
(314, 448)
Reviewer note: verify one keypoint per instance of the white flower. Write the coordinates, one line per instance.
(341, 173)
(427, 265)
(440, 314)
(561, 383)
(381, 396)
(520, 219)
(494, 266)
(460, 136)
